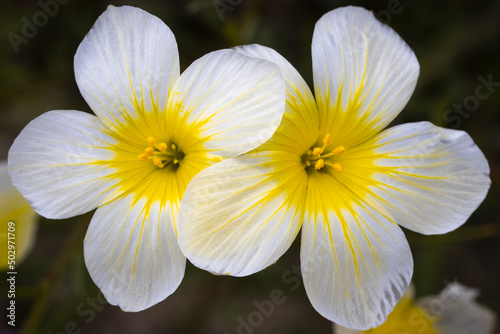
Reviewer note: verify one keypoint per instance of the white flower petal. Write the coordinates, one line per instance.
(428, 179)
(356, 264)
(126, 65)
(232, 102)
(14, 208)
(364, 74)
(132, 253)
(240, 215)
(457, 312)
(58, 163)
(299, 128)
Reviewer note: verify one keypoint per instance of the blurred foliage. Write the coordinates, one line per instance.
(455, 42)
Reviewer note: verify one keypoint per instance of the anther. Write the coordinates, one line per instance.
(157, 162)
(327, 140)
(162, 147)
(337, 167)
(319, 164)
(151, 141)
(173, 147)
(143, 157)
(317, 151)
(149, 150)
(338, 150)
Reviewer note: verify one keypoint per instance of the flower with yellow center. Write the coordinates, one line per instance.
(333, 171)
(453, 311)
(154, 130)
(18, 223)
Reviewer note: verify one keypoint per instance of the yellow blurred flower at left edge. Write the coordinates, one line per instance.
(153, 131)
(18, 218)
(453, 311)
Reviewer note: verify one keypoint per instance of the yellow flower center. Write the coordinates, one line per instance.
(318, 158)
(161, 154)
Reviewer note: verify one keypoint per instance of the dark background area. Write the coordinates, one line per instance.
(456, 43)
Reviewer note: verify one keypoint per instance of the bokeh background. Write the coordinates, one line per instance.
(456, 42)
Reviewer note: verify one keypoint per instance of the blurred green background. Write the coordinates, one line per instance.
(456, 42)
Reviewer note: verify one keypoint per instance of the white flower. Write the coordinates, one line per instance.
(154, 130)
(14, 209)
(453, 311)
(332, 170)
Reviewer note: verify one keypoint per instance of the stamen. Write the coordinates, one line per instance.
(162, 147)
(319, 164)
(316, 157)
(327, 140)
(317, 151)
(160, 154)
(157, 162)
(337, 167)
(338, 150)
(151, 141)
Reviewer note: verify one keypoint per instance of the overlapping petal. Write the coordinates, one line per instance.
(364, 74)
(60, 163)
(425, 178)
(131, 250)
(239, 216)
(125, 67)
(299, 128)
(356, 262)
(227, 103)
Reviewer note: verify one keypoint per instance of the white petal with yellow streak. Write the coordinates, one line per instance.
(299, 128)
(232, 102)
(132, 253)
(60, 164)
(239, 216)
(356, 263)
(364, 74)
(15, 209)
(428, 179)
(126, 65)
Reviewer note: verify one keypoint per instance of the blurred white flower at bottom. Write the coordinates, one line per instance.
(16, 210)
(453, 311)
